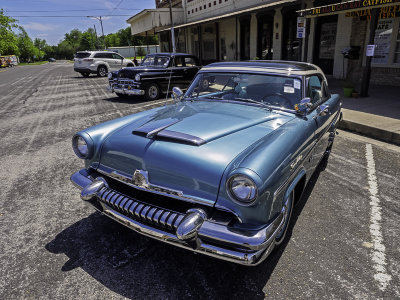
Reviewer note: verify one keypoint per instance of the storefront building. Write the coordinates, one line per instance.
(218, 30)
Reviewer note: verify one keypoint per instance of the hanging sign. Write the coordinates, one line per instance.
(345, 6)
(301, 27)
(370, 50)
(383, 36)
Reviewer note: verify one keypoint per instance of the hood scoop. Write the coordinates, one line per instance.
(158, 130)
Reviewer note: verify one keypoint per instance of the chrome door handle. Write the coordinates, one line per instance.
(323, 110)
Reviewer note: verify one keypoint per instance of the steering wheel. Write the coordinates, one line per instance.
(286, 101)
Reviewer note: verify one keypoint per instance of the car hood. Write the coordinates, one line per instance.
(187, 146)
(130, 72)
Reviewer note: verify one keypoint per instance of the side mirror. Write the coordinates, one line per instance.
(304, 106)
(177, 93)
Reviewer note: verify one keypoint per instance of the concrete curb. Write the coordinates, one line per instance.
(369, 131)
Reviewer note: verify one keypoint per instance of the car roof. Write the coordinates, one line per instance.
(270, 66)
(170, 54)
(93, 51)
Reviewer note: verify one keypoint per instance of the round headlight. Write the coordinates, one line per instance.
(110, 75)
(242, 189)
(81, 146)
(137, 77)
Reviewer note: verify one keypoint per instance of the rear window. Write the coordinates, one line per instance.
(82, 54)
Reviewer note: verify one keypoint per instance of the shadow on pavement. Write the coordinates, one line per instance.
(139, 267)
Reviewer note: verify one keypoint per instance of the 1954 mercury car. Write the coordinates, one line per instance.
(156, 74)
(218, 171)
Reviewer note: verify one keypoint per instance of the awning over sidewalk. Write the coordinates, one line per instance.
(149, 21)
(232, 14)
(342, 7)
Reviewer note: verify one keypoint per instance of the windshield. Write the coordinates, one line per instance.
(156, 60)
(82, 54)
(273, 90)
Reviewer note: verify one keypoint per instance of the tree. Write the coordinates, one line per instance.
(88, 40)
(74, 39)
(28, 51)
(8, 39)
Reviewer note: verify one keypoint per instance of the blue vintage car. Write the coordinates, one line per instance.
(218, 171)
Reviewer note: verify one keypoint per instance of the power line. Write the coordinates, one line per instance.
(61, 10)
(116, 7)
(66, 16)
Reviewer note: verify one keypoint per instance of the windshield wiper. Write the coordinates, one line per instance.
(255, 102)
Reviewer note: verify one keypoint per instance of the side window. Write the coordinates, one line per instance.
(108, 55)
(190, 62)
(178, 61)
(116, 56)
(315, 89)
(99, 55)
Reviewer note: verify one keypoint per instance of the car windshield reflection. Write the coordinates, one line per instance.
(156, 61)
(273, 90)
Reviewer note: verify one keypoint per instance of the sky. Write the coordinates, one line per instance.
(52, 29)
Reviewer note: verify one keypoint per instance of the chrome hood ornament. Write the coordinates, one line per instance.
(141, 179)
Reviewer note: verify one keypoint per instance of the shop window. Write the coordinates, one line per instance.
(397, 49)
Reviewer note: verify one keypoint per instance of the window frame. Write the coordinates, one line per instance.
(324, 90)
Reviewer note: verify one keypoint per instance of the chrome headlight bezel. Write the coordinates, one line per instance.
(243, 182)
(137, 77)
(83, 145)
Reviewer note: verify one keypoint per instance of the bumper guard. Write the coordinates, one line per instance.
(192, 230)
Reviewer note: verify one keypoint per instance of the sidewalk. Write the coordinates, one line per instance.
(377, 116)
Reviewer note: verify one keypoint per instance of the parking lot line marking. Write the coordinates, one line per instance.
(378, 254)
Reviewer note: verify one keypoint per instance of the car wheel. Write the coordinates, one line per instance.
(287, 215)
(152, 92)
(102, 71)
(85, 74)
(121, 95)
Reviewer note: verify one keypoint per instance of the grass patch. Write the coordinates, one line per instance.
(34, 63)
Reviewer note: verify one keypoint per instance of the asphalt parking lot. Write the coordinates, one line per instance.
(344, 239)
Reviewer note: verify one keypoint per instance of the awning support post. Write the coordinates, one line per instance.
(367, 70)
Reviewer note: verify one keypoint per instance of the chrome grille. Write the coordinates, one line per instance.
(139, 211)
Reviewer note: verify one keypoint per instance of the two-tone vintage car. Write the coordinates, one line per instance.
(218, 171)
(157, 74)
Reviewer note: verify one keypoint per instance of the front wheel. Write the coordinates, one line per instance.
(152, 92)
(101, 71)
(287, 215)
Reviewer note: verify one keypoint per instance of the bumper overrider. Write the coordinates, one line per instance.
(125, 86)
(192, 230)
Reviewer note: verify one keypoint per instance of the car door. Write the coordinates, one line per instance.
(324, 110)
(118, 61)
(191, 69)
(177, 77)
(109, 59)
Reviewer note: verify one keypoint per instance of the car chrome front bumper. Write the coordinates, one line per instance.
(126, 91)
(193, 230)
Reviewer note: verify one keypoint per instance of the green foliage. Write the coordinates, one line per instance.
(8, 39)
(28, 51)
(22, 45)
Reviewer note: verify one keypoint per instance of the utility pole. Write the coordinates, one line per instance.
(102, 31)
(172, 28)
(95, 37)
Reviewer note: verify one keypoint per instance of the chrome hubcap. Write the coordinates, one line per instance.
(102, 71)
(153, 92)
